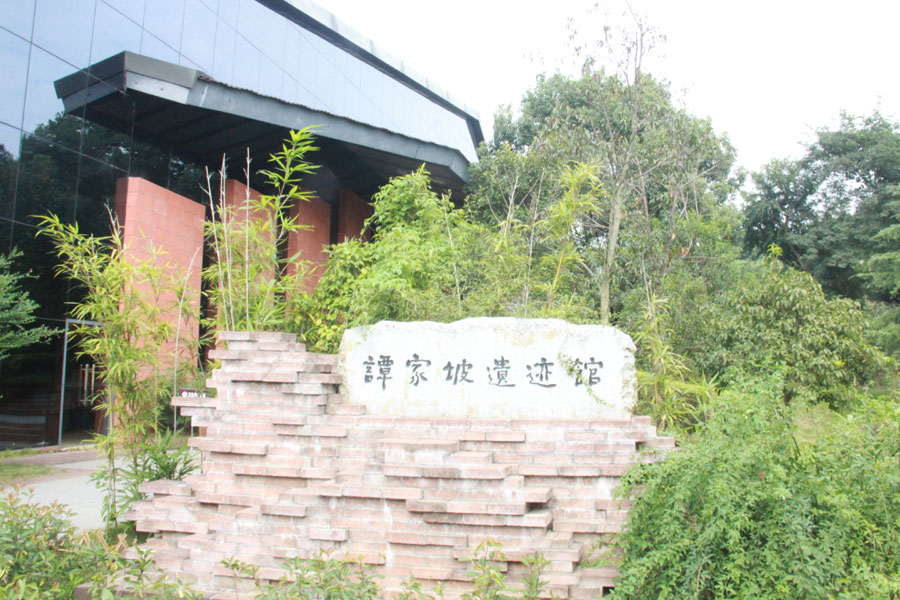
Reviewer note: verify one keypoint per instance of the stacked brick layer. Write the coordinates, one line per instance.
(288, 468)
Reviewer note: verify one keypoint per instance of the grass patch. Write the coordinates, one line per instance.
(16, 472)
(16, 453)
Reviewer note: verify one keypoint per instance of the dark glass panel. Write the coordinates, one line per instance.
(14, 66)
(96, 195)
(8, 163)
(48, 171)
(113, 33)
(47, 182)
(41, 103)
(64, 29)
(31, 375)
(188, 179)
(199, 36)
(107, 145)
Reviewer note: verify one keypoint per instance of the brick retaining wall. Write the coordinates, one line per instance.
(289, 468)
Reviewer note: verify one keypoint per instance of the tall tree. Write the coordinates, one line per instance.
(835, 211)
(658, 164)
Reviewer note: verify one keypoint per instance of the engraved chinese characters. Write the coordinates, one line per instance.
(489, 368)
(500, 373)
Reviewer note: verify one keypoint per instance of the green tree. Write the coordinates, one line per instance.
(777, 317)
(16, 311)
(658, 164)
(250, 278)
(430, 261)
(835, 210)
(133, 301)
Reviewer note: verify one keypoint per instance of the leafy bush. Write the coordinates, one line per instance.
(248, 277)
(162, 457)
(324, 577)
(321, 577)
(41, 553)
(43, 556)
(430, 261)
(744, 510)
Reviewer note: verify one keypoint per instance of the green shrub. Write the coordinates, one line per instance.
(41, 553)
(43, 556)
(160, 457)
(743, 510)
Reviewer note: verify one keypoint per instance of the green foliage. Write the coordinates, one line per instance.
(882, 267)
(743, 510)
(16, 311)
(581, 189)
(321, 577)
(12, 472)
(430, 261)
(249, 279)
(835, 211)
(778, 317)
(668, 391)
(131, 298)
(160, 457)
(659, 167)
(488, 581)
(43, 556)
(883, 327)
(324, 577)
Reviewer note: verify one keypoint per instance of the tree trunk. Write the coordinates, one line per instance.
(612, 242)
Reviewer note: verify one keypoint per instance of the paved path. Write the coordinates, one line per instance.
(71, 486)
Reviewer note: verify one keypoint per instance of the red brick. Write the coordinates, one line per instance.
(284, 510)
(402, 471)
(538, 470)
(208, 445)
(325, 534)
(579, 471)
(402, 493)
(504, 436)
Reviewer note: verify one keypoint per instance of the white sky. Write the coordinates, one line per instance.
(768, 73)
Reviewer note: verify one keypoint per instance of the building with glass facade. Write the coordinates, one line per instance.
(107, 99)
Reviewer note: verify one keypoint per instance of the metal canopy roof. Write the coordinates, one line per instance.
(201, 119)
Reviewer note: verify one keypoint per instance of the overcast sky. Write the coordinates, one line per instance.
(768, 73)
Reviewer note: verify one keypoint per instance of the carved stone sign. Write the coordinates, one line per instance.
(489, 368)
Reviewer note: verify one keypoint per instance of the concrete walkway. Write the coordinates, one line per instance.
(71, 486)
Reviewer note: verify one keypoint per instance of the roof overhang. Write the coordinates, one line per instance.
(201, 119)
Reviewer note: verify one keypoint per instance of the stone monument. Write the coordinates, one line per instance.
(489, 368)
(430, 439)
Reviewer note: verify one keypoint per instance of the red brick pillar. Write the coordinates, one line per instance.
(311, 243)
(352, 216)
(150, 215)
